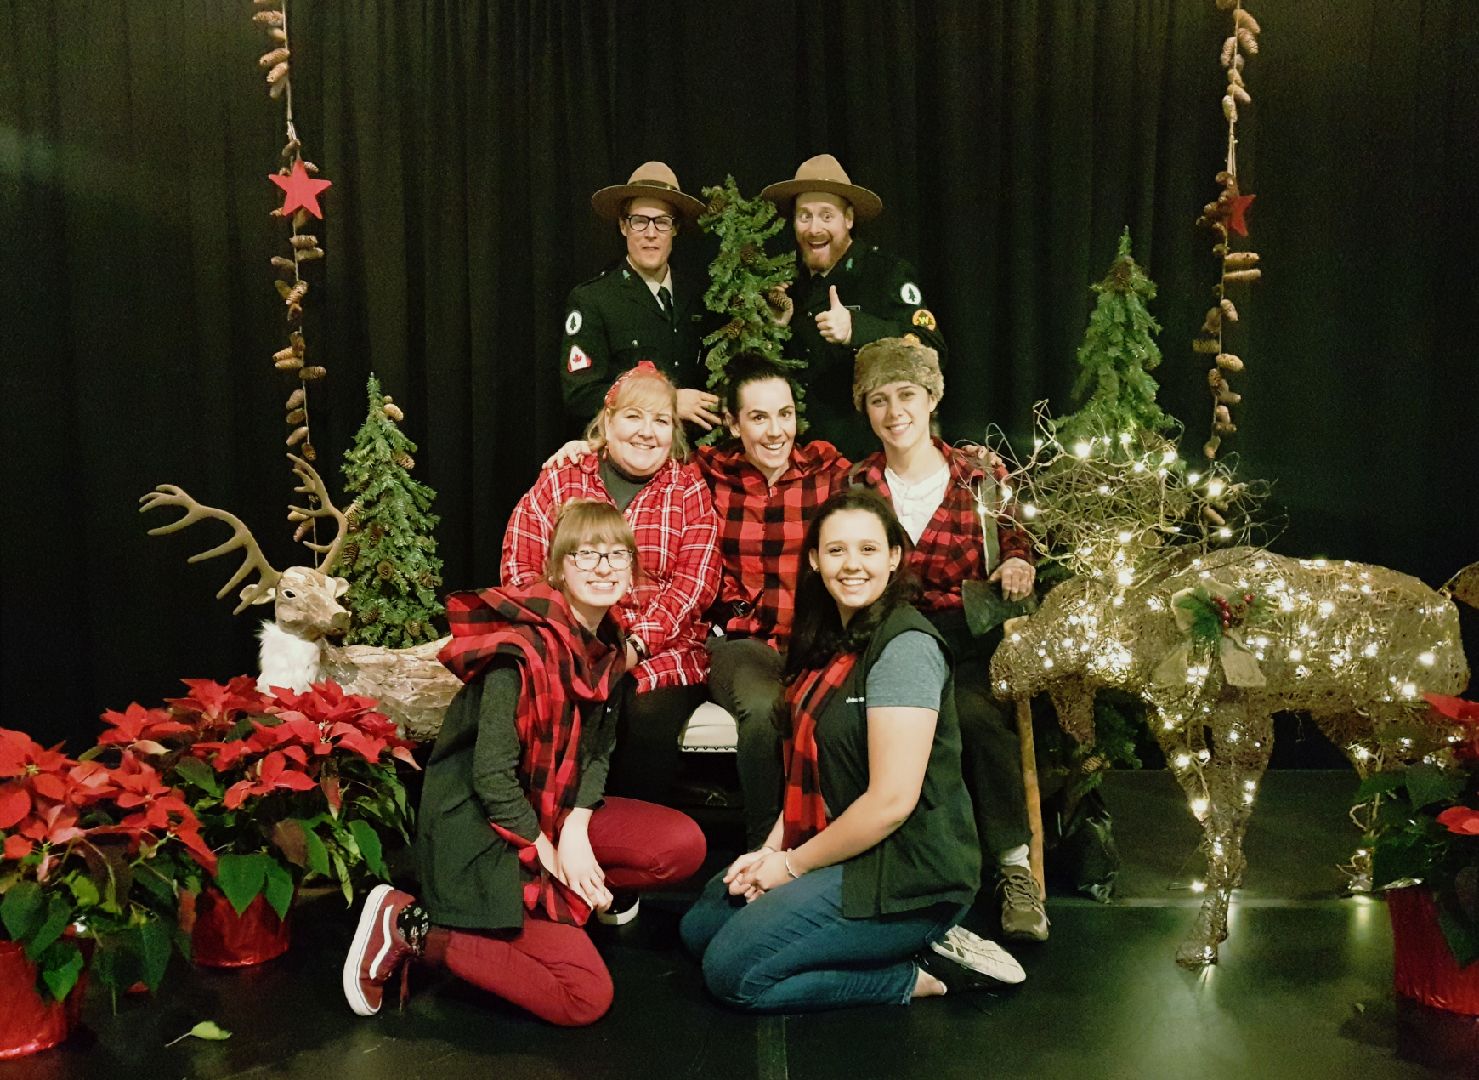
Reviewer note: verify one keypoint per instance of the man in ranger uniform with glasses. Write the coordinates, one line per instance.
(636, 309)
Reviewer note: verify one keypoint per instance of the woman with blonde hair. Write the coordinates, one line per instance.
(516, 846)
(635, 465)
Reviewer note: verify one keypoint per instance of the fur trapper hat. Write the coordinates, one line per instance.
(891, 360)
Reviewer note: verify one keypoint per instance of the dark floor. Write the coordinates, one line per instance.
(1303, 990)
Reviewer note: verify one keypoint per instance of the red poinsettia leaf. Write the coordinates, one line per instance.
(196, 846)
(403, 753)
(17, 847)
(294, 780)
(236, 794)
(295, 753)
(330, 785)
(1461, 820)
(49, 785)
(15, 752)
(149, 746)
(1454, 708)
(15, 803)
(363, 745)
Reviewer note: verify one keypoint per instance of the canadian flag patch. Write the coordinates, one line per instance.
(578, 360)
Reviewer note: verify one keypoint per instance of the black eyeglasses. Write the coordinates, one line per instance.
(640, 222)
(586, 559)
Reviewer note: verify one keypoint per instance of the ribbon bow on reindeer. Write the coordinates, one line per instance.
(1212, 618)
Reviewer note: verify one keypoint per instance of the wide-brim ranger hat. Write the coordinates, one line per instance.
(825, 173)
(652, 180)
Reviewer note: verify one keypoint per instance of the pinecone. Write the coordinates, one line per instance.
(377, 532)
(427, 579)
(386, 569)
(413, 628)
(733, 328)
(405, 461)
(352, 514)
(350, 552)
(370, 617)
(718, 204)
(749, 254)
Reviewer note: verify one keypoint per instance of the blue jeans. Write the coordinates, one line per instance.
(793, 950)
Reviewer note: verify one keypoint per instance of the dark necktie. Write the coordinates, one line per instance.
(665, 301)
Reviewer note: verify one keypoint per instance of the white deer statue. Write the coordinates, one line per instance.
(411, 685)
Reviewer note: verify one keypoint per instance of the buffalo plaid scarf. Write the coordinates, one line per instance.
(804, 811)
(563, 670)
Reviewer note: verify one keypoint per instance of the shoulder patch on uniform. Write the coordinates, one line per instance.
(910, 293)
(572, 323)
(577, 360)
(924, 318)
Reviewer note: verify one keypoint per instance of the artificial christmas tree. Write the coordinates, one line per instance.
(390, 557)
(1115, 359)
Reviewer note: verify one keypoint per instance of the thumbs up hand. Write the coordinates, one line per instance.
(835, 324)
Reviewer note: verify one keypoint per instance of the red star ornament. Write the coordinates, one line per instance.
(301, 190)
(1236, 211)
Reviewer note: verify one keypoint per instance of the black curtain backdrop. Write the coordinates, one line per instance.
(1011, 142)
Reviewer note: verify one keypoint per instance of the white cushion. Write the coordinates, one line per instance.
(710, 730)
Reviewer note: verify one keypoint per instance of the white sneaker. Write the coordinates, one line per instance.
(980, 955)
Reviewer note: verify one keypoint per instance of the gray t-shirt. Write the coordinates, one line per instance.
(909, 673)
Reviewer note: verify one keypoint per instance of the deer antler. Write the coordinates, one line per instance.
(241, 539)
(313, 486)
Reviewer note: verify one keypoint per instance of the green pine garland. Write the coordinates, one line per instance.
(740, 278)
(390, 558)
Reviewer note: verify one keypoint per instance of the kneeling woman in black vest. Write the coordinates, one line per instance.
(855, 896)
(515, 844)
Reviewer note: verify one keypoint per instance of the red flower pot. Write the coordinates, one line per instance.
(30, 1021)
(1424, 968)
(223, 939)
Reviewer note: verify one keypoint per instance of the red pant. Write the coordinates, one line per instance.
(553, 969)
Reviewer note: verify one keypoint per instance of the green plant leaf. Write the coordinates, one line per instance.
(1376, 784)
(84, 890)
(206, 1029)
(58, 915)
(318, 855)
(241, 878)
(369, 847)
(278, 887)
(1461, 935)
(199, 773)
(154, 950)
(22, 909)
(60, 967)
(1428, 784)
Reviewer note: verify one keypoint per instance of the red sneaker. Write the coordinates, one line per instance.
(392, 928)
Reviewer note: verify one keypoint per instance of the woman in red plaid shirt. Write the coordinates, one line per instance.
(635, 464)
(942, 496)
(765, 489)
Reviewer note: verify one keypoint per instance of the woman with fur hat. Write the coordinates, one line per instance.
(939, 493)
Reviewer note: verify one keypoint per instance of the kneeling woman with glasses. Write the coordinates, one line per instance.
(514, 843)
(855, 895)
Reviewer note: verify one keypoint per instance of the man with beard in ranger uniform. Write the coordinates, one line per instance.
(637, 308)
(847, 294)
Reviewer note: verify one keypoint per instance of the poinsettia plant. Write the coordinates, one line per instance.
(287, 787)
(1426, 826)
(92, 851)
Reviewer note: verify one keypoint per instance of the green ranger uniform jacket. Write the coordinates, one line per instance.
(613, 321)
(883, 294)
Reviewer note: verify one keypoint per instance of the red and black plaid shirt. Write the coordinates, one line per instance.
(563, 670)
(677, 545)
(761, 532)
(951, 548)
